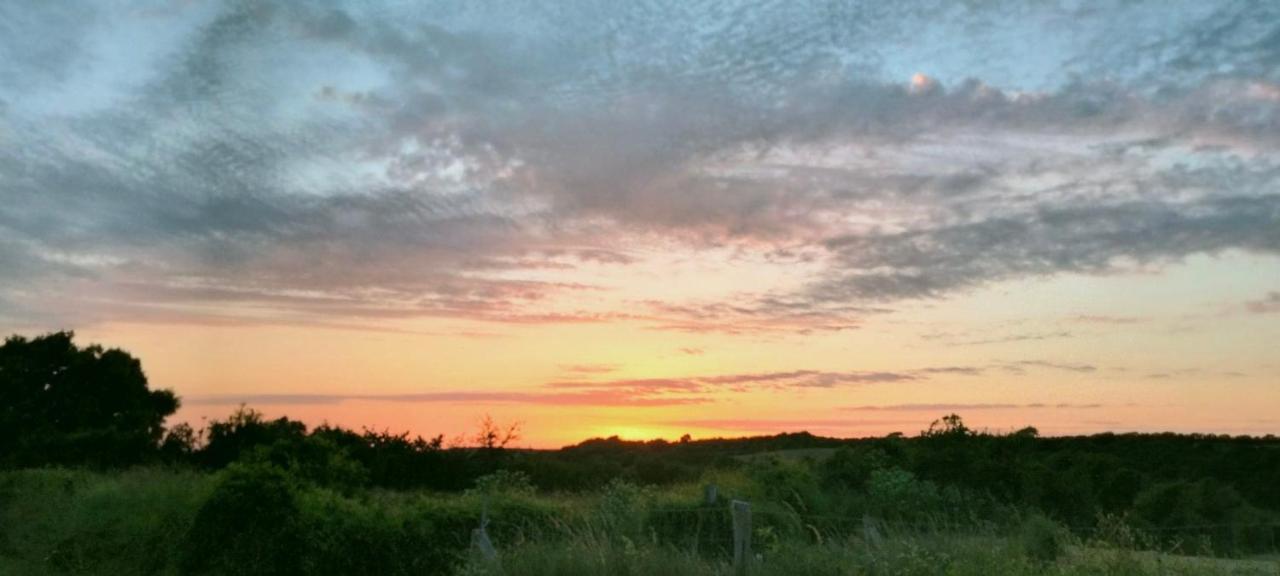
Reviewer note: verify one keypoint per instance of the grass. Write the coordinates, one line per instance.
(924, 556)
(166, 521)
(72, 522)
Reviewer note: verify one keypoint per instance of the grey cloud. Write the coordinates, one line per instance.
(1194, 372)
(930, 262)
(953, 370)
(791, 379)
(1062, 366)
(966, 340)
(390, 157)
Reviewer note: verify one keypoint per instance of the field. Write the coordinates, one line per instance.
(91, 487)
(253, 520)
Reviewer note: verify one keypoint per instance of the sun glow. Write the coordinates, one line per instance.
(632, 432)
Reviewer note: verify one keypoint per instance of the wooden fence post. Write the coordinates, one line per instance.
(741, 536)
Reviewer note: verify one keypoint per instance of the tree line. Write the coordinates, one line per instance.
(66, 405)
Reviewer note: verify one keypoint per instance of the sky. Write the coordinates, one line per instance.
(653, 218)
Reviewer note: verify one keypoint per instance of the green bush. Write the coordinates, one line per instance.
(249, 525)
(504, 482)
(1041, 539)
(78, 522)
(389, 536)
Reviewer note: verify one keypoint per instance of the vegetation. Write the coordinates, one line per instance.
(93, 484)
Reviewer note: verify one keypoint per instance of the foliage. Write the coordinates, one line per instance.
(63, 404)
(1041, 539)
(249, 525)
(259, 519)
(130, 522)
(273, 496)
(504, 483)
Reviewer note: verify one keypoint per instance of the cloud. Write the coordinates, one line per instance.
(1018, 366)
(1269, 304)
(957, 408)
(589, 368)
(923, 84)
(1195, 372)
(792, 379)
(775, 426)
(323, 162)
(961, 340)
(1106, 319)
(953, 370)
(587, 398)
(1084, 239)
(643, 392)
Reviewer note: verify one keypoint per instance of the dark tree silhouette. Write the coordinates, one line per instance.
(62, 404)
(493, 436)
(244, 430)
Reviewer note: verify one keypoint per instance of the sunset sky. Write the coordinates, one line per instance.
(648, 218)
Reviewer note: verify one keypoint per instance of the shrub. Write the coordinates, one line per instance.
(896, 493)
(1041, 539)
(504, 482)
(387, 536)
(77, 522)
(249, 525)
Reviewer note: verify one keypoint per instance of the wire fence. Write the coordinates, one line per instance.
(709, 528)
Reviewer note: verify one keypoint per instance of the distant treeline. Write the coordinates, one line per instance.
(63, 405)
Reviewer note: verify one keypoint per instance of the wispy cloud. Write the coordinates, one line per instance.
(1269, 304)
(953, 370)
(1021, 365)
(1183, 373)
(776, 425)
(589, 368)
(1017, 337)
(793, 379)
(585, 398)
(960, 408)
(1106, 319)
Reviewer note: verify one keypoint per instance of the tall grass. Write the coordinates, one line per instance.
(255, 520)
(75, 522)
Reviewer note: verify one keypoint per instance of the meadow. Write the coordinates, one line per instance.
(260, 519)
(93, 482)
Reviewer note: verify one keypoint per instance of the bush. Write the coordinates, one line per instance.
(503, 483)
(1041, 539)
(852, 467)
(249, 525)
(385, 536)
(77, 522)
(788, 482)
(898, 494)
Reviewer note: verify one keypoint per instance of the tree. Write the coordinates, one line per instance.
(950, 426)
(62, 404)
(244, 430)
(493, 436)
